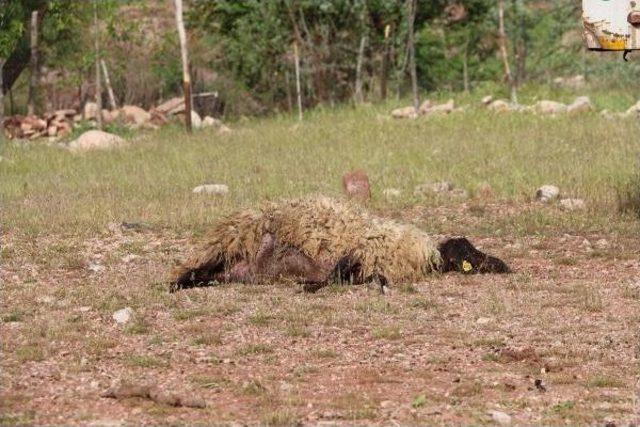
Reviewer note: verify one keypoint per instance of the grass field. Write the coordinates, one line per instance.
(445, 351)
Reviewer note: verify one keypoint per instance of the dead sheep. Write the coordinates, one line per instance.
(318, 240)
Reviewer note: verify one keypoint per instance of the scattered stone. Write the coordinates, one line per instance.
(95, 140)
(582, 104)
(601, 244)
(425, 106)
(549, 107)
(547, 193)
(391, 193)
(96, 268)
(215, 189)
(433, 187)
(224, 129)
(487, 100)
(404, 113)
(134, 115)
(445, 108)
(123, 316)
(154, 393)
(196, 121)
(356, 185)
(573, 204)
(90, 111)
(500, 106)
(209, 121)
(500, 418)
(484, 320)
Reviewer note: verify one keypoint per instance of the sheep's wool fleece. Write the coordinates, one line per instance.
(326, 230)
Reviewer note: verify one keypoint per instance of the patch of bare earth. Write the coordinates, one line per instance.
(555, 342)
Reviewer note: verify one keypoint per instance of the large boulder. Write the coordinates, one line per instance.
(134, 115)
(582, 104)
(95, 140)
(550, 107)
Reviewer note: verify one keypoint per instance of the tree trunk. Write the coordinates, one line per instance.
(186, 77)
(465, 66)
(412, 56)
(107, 81)
(287, 86)
(33, 81)
(296, 58)
(358, 92)
(98, 83)
(505, 53)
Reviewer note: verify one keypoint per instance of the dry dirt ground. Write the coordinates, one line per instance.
(554, 343)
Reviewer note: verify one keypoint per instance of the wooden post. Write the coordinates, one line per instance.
(33, 81)
(298, 90)
(505, 53)
(2, 61)
(412, 56)
(358, 92)
(97, 47)
(384, 75)
(107, 81)
(186, 77)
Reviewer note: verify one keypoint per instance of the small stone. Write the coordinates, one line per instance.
(487, 100)
(215, 189)
(209, 121)
(123, 316)
(602, 244)
(129, 257)
(356, 185)
(96, 268)
(385, 404)
(547, 193)
(391, 193)
(484, 320)
(84, 309)
(441, 187)
(404, 113)
(500, 418)
(573, 204)
(196, 121)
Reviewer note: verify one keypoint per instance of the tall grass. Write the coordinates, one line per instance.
(45, 189)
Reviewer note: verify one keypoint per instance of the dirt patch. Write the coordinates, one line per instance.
(555, 342)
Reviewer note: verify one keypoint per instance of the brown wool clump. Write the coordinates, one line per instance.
(326, 230)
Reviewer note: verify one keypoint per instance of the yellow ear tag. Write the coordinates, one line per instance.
(466, 266)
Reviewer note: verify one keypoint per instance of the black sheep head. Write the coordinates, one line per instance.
(460, 255)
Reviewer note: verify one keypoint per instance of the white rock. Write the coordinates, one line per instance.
(134, 115)
(602, 244)
(95, 140)
(484, 320)
(550, 107)
(404, 113)
(487, 100)
(123, 316)
(500, 418)
(90, 111)
(573, 204)
(499, 106)
(96, 268)
(196, 121)
(209, 121)
(224, 129)
(215, 189)
(391, 193)
(547, 193)
(582, 104)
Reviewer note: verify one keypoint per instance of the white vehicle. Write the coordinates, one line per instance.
(611, 24)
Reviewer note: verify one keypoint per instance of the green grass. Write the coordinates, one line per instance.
(48, 190)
